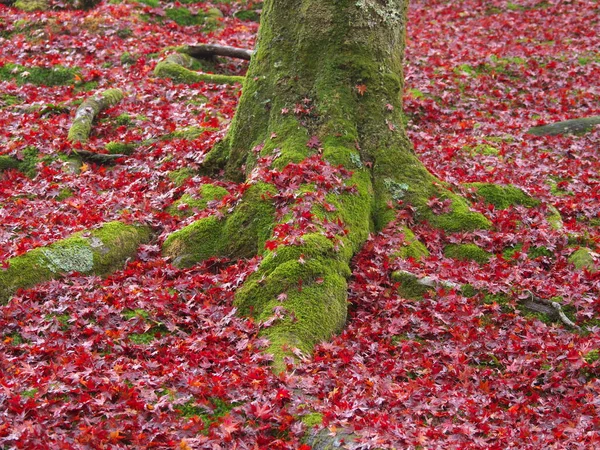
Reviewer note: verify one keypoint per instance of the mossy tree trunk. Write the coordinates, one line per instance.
(326, 79)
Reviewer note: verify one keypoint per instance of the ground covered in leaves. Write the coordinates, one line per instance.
(155, 357)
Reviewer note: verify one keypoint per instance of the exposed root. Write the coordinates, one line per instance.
(553, 310)
(98, 251)
(98, 158)
(89, 110)
(206, 51)
(179, 67)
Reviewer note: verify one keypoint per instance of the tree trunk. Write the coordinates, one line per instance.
(323, 95)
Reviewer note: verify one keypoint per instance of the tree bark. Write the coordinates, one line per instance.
(325, 84)
(206, 51)
(89, 110)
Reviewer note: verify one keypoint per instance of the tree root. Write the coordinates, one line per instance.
(99, 251)
(179, 67)
(98, 158)
(87, 112)
(206, 51)
(553, 310)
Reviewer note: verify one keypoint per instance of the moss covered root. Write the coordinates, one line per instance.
(98, 251)
(181, 68)
(88, 110)
(186, 205)
(242, 234)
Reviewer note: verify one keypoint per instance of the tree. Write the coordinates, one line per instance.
(323, 96)
(323, 93)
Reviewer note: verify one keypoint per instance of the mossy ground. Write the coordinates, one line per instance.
(45, 76)
(502, 197)
(583, 258)
(467, 252)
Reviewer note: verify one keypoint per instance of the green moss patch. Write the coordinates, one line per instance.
(27, 165)
(31, 5)
(502, 197)
(241, 235)
(119, 148)
(409, 286)
(532, 253)
(412, 247)
(182, 68)
(304, 287)
(180, 176)
(467, 252)
(583, 258)
(99, 251)
(209, 412)
(482, 149)
(312, 419)
(43, 76)
(186, 205)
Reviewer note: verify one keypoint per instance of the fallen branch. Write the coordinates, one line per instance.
(99, 158)
(551, 309)
(87, 112)
(206, 51)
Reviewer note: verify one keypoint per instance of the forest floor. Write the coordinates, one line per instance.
(153, 356)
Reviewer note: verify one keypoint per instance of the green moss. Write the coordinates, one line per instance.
(503, 197)
(26, 165)
(482, 149)
(99, 251)
(62, 319)
(248, 15)
(467, 252)
(209, 413)
(592, 356)
(128, 59)
(8, 162)
(461, 218)
(554, 218)
(311, 420)
(64, 194)
(187, 133)
(409, 287)
(123, 119)
(31, 5)
(53, 76)
(180, 74)
(119, 148)
(186, 205)
(307, 284)
(151, 3)
(468, 290)
(242, 234)
(184, 17)
(142, 338)
(29, 393)
(532, 253)
(412, 247)
(180, 176)
(9, 100)
(131, 313)
(582, 259)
